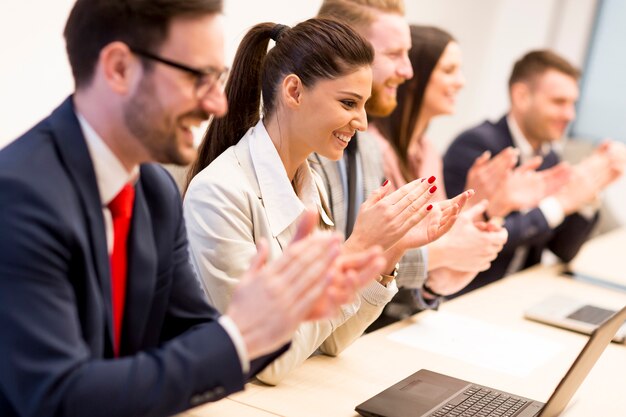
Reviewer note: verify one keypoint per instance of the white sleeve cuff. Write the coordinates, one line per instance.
(235, 335)
(552, 211)
(377, 294)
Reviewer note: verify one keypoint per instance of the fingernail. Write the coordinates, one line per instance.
(433, 189)
(430, 207)
(431, 180)
(385, 183)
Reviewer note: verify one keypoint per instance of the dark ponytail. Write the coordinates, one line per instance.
(314, 49)
(243, 93)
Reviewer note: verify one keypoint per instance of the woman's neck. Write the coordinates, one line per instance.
(289, 149)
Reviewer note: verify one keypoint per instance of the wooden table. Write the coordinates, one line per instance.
(227, 407)
(326, 386)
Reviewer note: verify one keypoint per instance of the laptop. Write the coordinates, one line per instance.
(427, 393)
(572, 314)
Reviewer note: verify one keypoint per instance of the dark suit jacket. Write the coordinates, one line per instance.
(55, 304)
(530, 229)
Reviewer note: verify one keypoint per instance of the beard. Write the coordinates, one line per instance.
(155, 129)
(380, 104)
(536, 129)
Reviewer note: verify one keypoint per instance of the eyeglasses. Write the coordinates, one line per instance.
(206, 78)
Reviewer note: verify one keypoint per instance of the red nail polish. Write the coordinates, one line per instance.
(430, 207)
(433, 189)
(385, 183)
(431, 180)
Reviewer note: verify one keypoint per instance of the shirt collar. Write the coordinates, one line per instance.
(111, 175)
(520, 141)
(283, 204)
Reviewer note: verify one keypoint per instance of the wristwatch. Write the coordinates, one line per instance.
(384, 279)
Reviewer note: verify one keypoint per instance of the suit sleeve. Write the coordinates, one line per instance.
(523, 228)
(460, 157)
(373, 300)
(46, 366)
(413, 269)
(570, 235)
(221, 239)
(528, 228)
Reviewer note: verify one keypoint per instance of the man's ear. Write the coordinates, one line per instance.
(292, 90)
(520, 95)
(119, 67)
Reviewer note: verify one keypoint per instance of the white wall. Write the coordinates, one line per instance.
(492, 35)
(35, 76)
(242, 14)
(34, 73)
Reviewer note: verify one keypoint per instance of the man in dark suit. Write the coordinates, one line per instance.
(554, 208)
(99, 309)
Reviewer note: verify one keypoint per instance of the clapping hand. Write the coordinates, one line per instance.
(385, 217)
(273, 298)
(443, 216)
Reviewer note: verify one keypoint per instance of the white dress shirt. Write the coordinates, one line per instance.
(549, 206)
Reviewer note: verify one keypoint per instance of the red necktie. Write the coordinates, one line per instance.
(121, 210)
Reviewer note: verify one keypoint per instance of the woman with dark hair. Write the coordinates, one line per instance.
(252, 180)
(408, 154)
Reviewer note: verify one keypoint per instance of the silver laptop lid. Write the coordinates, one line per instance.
(577, 373)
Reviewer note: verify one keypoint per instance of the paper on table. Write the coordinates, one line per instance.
(479, 343)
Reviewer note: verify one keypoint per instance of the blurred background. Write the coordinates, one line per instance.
(35, 76)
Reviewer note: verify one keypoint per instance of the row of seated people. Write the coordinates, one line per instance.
(117, 300)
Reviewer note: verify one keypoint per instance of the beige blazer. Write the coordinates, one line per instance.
(245, 195)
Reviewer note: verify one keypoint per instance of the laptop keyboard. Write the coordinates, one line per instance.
(591, 315)
(481, 402)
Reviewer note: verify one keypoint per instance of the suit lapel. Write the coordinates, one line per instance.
(506, 135)
(329, 171)
(142, 273)
(550, 160)
(284, 239)
(73, 151)
(242, 153)
(371, 164)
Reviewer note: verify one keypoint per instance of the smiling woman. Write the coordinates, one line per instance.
(252, 180)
